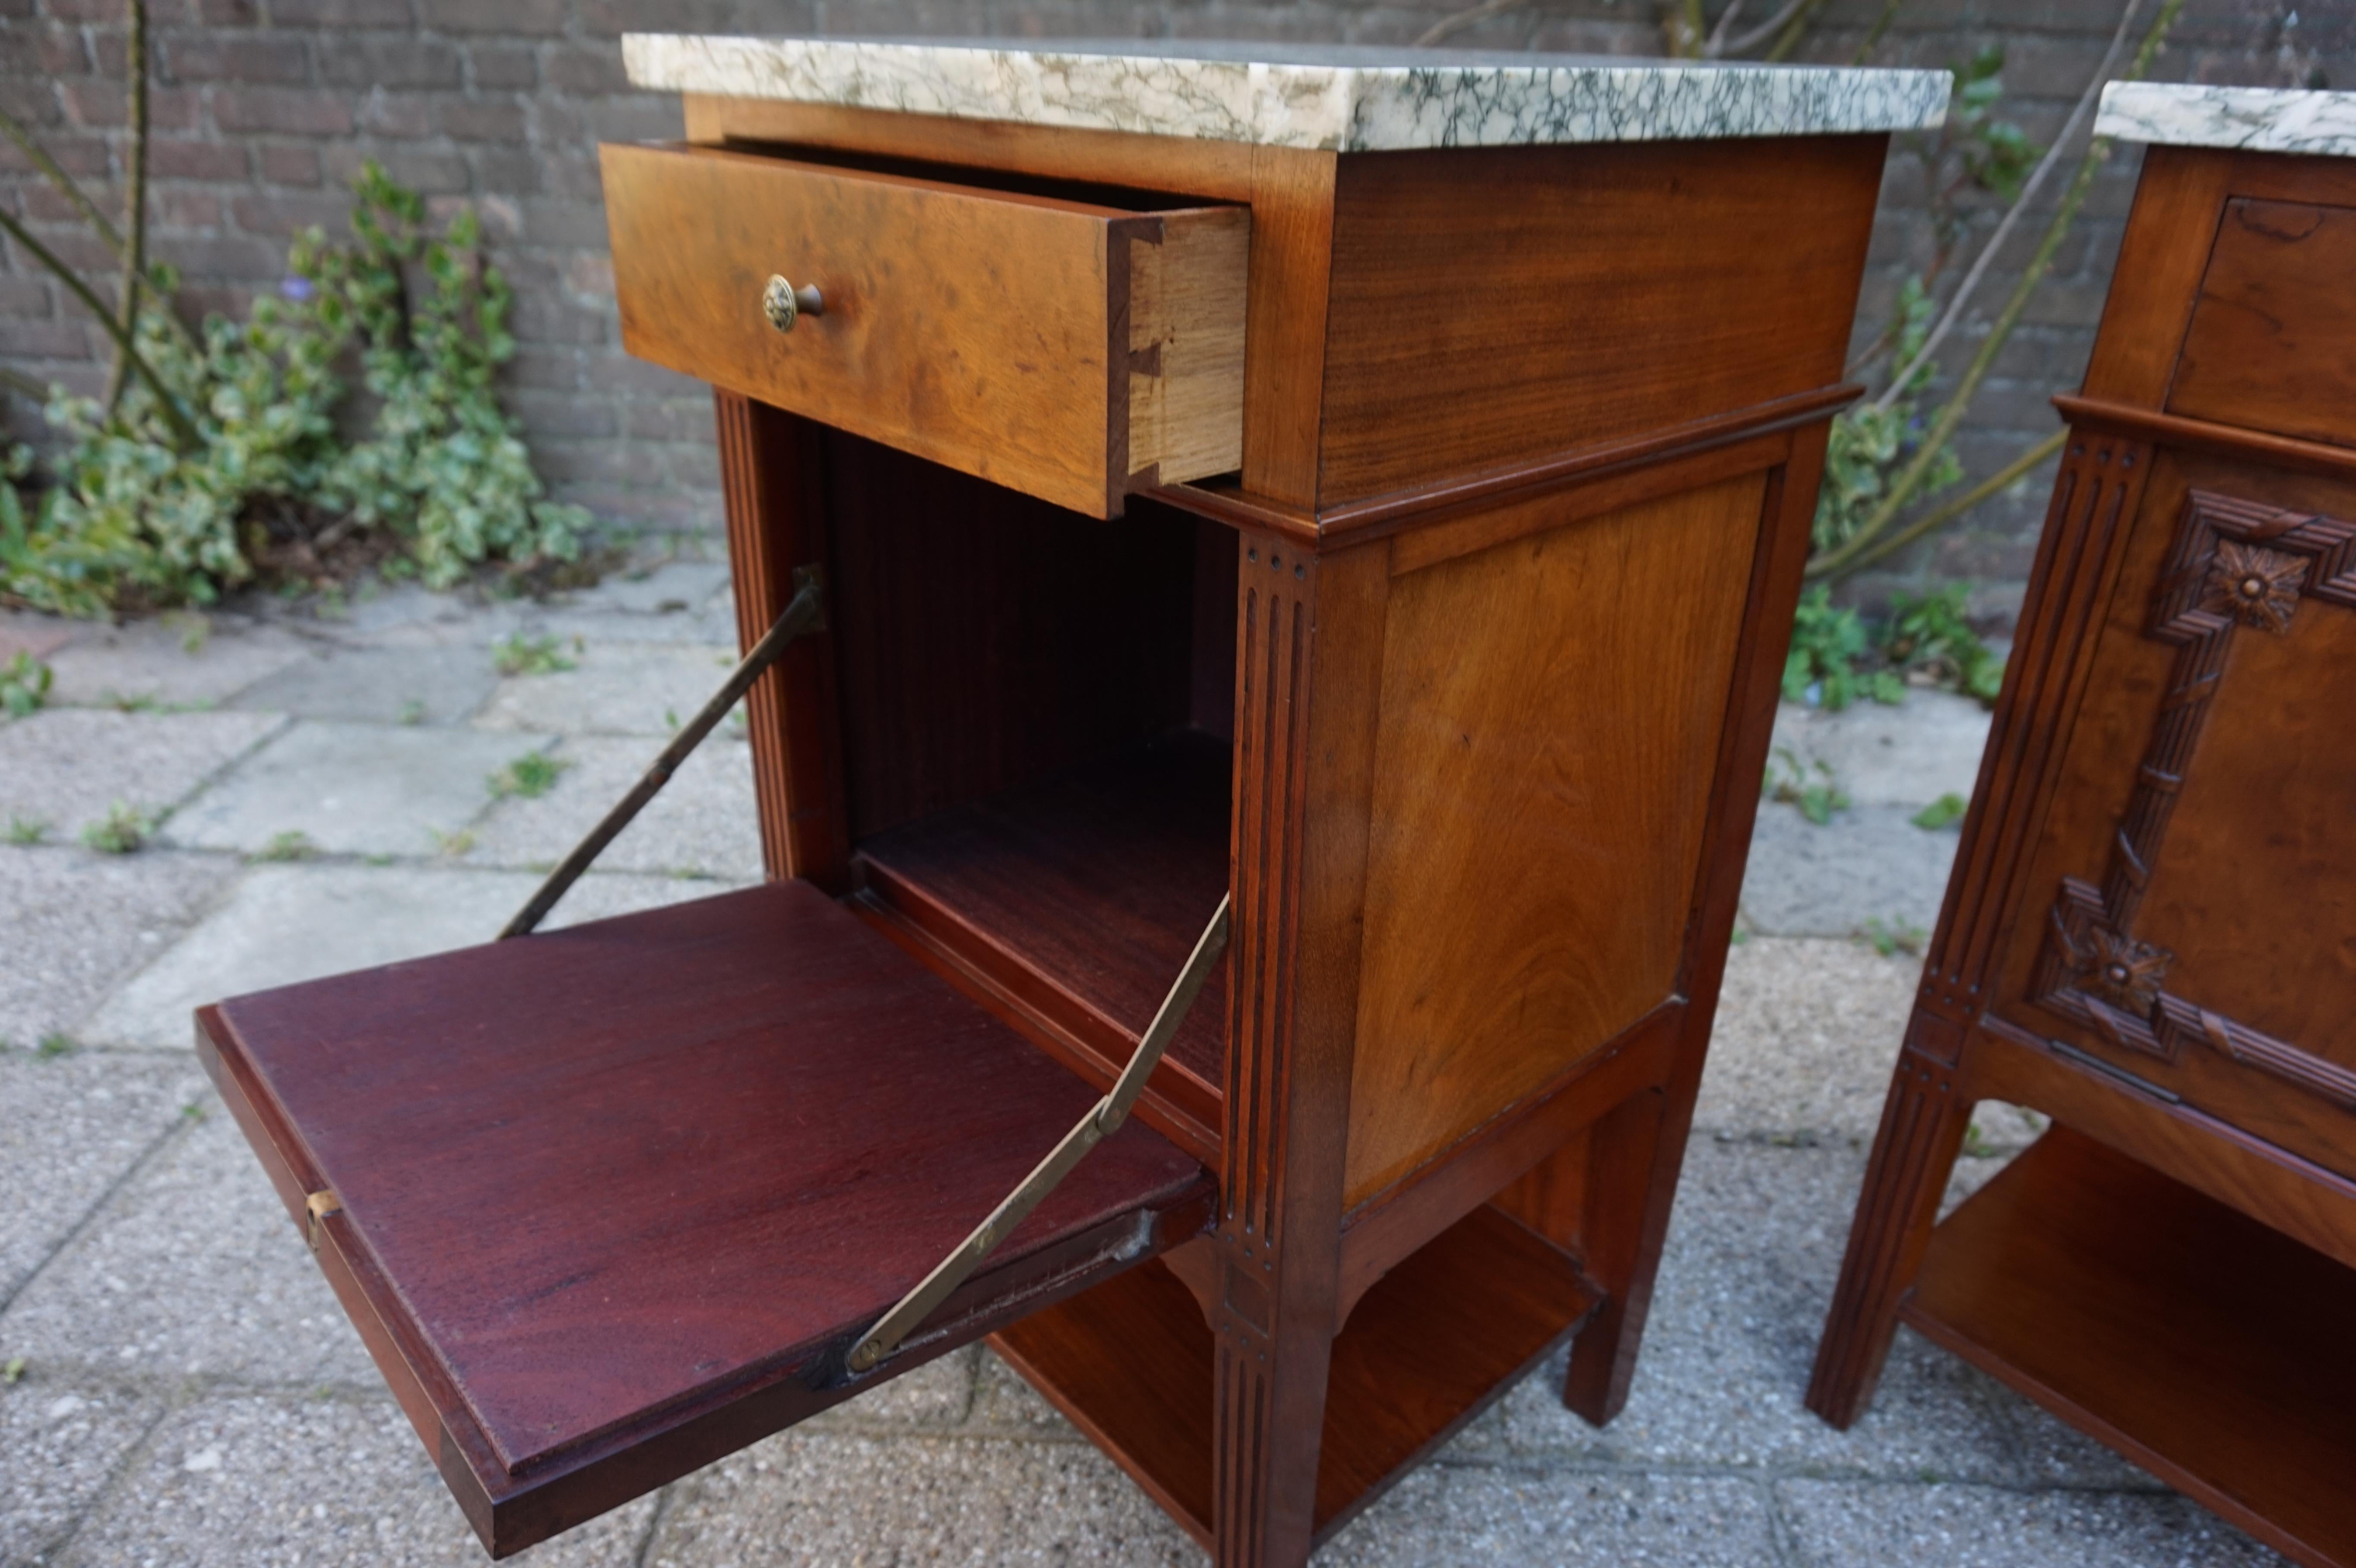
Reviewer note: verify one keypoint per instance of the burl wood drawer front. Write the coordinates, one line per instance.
(1072, 351)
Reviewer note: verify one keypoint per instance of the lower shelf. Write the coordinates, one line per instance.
(2206, 1347)
(1131, 1363)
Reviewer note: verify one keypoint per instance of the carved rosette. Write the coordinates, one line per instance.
(2257, 586)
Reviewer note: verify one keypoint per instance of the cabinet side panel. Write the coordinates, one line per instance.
(1495, 306)
(1550, 716)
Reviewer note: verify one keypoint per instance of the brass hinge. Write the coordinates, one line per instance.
(315, 1208)
(1103, 1119)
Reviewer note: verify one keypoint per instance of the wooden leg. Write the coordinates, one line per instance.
(1269, 1419)
(1626, 1219)
(1923, 1125)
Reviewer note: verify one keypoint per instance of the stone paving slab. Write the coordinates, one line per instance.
(833, 1500)
(1836, 1525)
(1753, 1249)
(1908, 754)
(259, 1482)
(1453, 1513)
(193, 1270)
(79, 922)
(74, 1126)
(616, 688)
(431, 685)
(66, 766)
(703, 821)
(1807, 1032)
(281, 924)
(359, 789)
(178, 661)
(29, 632)
(1870, 863)
(60, 1445)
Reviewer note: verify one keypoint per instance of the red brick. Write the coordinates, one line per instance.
(100, 103)
(341, 12)
(402, 114)
(286, 163)
(308, 112)
(503, 65)
(587, 69)
(172, 159)
(361, 62)
(184, 207)
(526, 16)
(477, 119)
(283, 58)
(278, 213)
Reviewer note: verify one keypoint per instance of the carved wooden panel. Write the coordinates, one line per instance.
(2236, 569)
(1550, 711)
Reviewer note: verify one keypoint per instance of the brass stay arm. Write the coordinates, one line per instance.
(1102, 1119)
(806, 612)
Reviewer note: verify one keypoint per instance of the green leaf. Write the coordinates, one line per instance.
(1943, 812)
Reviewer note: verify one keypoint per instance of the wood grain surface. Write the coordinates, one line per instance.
(988, 329)
(1550, 722)
(2209, 1348)
(2272, 339)
(621, 1175)
(1431, 1345)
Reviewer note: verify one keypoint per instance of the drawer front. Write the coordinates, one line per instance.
(1071, 351)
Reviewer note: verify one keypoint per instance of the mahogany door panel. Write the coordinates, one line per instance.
(1069, 350)
(1550, 722)
(2273, 341)
(611, 1201)
(2190, 904)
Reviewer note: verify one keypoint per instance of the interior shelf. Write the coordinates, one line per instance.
(2209, 1348)
(1131, 1361)
(1081, 895)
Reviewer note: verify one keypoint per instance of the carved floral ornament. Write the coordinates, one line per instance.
(2125, 971)
(2258, 587)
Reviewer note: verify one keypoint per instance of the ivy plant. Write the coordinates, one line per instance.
(134, 514)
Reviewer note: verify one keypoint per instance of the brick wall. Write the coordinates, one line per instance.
(262, 108)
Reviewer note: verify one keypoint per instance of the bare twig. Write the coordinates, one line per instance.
(1947, 511)
(184, 429)
(1792, 10)
(13, 128)
(1725, 20)
(135, 203)
(1873, 34)
(1953, 313)
(23, 386)
(1471, 16)
(1926, 454)
(1793, 31)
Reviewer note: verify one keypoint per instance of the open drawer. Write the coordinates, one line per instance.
(611, 1202)
(1075, 345)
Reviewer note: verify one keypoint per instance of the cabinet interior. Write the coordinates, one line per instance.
(1037, 712)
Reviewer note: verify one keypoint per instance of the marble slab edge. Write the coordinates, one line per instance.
(1350, 101)
(2258, 119)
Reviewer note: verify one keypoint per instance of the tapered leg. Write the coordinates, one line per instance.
(1923, 1125)
(1270, 1418)
(1627, 1200)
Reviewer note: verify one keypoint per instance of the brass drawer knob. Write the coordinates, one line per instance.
(784, 304)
